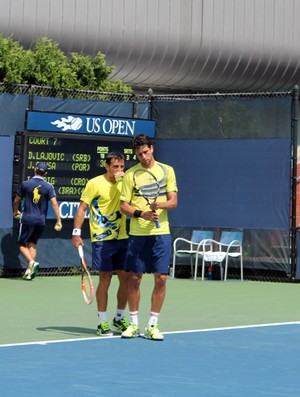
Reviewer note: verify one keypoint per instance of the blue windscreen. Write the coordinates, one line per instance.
(234, 183)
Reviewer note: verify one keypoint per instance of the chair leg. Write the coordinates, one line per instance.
(226, 268)
(196, 268)
(203, 268)
(173, 269)
(242, 268)
(192, 265)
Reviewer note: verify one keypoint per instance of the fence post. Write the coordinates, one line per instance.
(295, 105)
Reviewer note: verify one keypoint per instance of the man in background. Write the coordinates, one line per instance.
(30, 206)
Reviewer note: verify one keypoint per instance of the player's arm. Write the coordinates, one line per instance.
(55, 207)
(129, 210)
(16, 206)
(126, 208)
(77, 225)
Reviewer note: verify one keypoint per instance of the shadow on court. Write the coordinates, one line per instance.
(74, 331)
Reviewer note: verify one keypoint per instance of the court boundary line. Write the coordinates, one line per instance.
(165, 333)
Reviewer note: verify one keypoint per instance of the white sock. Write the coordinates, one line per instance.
(153, 319)
(134, 318)
(102, 316)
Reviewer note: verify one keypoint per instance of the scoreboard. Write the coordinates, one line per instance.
(72, 159)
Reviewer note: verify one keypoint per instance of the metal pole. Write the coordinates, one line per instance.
(150, 98)
(295, 111)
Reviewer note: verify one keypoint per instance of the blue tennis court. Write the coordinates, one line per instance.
(236, 361)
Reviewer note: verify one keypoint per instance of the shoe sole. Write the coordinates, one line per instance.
(150, 338)
(130, 337)
(103, 335)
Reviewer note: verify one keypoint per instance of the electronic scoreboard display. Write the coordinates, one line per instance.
(72, 159)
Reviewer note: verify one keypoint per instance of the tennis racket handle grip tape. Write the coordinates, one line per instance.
(157, 224)
(80, 251)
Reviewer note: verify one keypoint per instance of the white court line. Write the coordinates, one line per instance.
(165, 333)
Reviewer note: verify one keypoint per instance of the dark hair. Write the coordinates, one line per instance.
(141, 140)
(114, 155)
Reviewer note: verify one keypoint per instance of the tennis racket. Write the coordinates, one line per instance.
(147, 186)
(87, 285)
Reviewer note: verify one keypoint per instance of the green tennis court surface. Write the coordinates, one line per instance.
(52, 308)
(221, 340)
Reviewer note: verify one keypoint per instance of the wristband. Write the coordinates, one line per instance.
(76, 232)
(137, 213)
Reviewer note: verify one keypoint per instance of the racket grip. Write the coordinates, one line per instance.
(157, 224)
(80, 251)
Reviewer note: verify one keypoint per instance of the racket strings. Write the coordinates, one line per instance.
(147, 186)
(87, 288)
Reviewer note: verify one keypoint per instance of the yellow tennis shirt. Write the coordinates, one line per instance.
(106, 220)
(166, 178)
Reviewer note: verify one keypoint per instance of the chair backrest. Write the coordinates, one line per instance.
(199, 235)
(228, 236)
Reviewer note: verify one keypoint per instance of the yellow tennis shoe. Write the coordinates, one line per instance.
(153, 333)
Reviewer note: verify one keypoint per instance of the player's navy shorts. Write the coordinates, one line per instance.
(29, 234)
(149, 254)
(108, 256)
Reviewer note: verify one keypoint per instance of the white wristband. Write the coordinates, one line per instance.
(76, 232)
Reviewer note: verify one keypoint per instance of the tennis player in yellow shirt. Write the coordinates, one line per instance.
(109, 239)
(149, 190)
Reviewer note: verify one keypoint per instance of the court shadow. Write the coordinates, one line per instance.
(75, 331)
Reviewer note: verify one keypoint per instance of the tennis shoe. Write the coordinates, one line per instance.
(27, 274)
(153, 333)
(132, 331)
(119, 325)
(103, 329)
(34, 269)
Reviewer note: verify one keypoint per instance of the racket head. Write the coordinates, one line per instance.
(147, 186)
(87, 285)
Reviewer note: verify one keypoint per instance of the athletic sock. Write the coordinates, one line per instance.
(153, 319)
(134, 318)
(102, 316)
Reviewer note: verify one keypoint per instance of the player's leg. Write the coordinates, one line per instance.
(135, 266)
(103, 328)
(119, 322)
(27, 248)
(161, 259)
(133, 288)
(101, 262)
(102, 290)
(159, 292)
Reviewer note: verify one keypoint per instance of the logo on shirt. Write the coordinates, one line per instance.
(36, 194)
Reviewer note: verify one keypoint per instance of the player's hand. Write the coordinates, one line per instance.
(119, 176)
(154, 206)
(58, 226)
(77, 241)
(17, 215)
(150, 216)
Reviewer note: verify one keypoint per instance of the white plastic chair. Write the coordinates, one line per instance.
(187, 248)
(229, 246)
